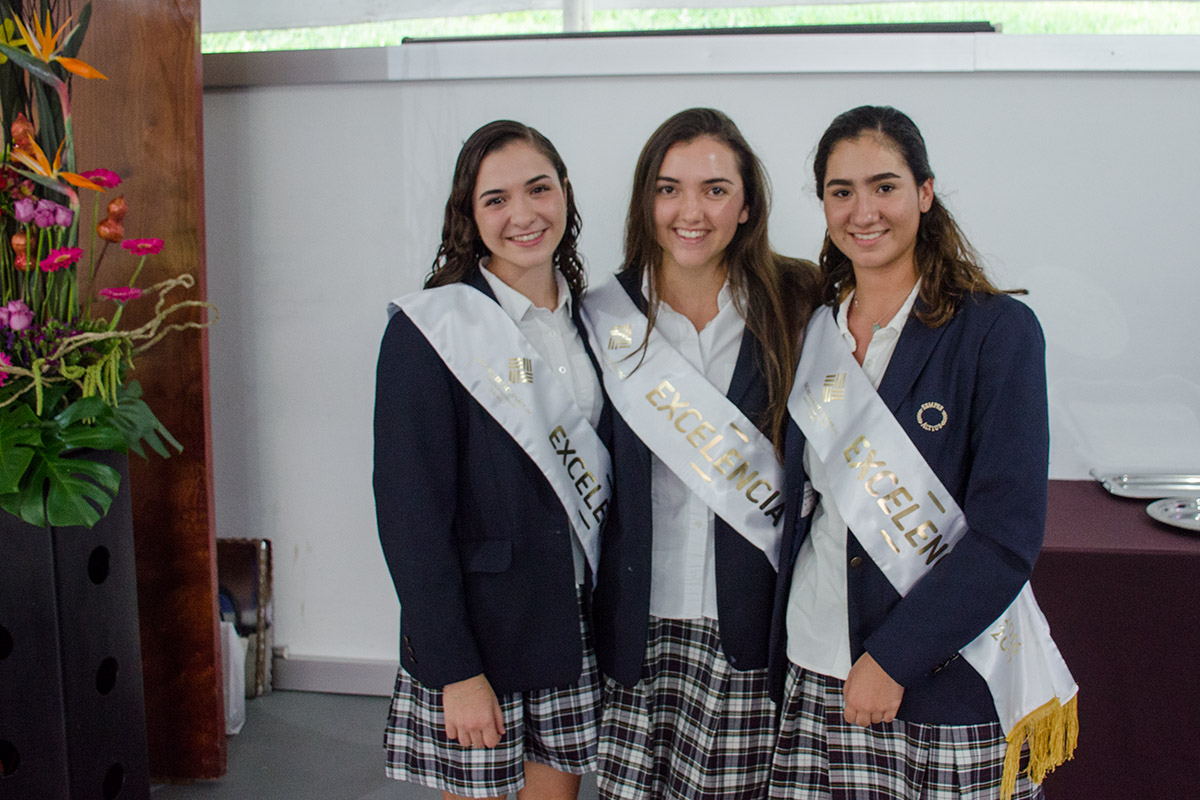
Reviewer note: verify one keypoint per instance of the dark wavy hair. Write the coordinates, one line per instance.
(461, 247)
(947, 265)
(774, 294)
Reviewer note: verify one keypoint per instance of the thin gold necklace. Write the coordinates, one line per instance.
(875, 325)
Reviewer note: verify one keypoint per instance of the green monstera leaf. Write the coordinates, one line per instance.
(137, 423)
(45, 475)
(19, 436)
(76, 492)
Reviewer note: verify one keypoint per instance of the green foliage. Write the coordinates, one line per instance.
(75, 40)
(137, 423)
(62, 391)
(18, 437)
(38, 69)
(45, 475)
(76, 491)
(1014, 17)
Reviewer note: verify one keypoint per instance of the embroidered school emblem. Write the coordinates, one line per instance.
(834, 388)
(620, 337)
(932, 416)
(520, 370)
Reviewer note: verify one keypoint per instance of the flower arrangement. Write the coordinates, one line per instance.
(64, 362)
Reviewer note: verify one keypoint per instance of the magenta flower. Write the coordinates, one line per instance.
(61, 258)
(121, 294)
(104, 178)
(44, 212)
(19, 315)
(143, 247)
(23, 210)
(5, 361)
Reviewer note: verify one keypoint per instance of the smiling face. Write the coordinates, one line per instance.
(520, 210)
(873, 205)
(699, 203)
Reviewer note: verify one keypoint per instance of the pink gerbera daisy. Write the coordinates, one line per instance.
(143, 247)
(121, 294)
(61, 258)
(104, 178)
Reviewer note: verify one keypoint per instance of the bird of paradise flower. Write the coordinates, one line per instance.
(46, 45)
(40, 45)
(32, 156)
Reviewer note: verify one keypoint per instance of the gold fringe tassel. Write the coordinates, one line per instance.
(1052, 732)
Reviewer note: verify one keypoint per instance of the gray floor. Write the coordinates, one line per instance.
(310, 746)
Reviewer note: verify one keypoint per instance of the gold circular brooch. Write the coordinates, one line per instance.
(938, 407)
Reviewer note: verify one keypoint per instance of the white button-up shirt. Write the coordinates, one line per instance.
(554, 335)
(818, 624)
(683, 577)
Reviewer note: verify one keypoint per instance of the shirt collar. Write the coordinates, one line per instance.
(723, 296)
(517, 305)
(895, 325)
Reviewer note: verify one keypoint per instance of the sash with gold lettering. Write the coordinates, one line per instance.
(494, 361)
(863, 447)
(692, 427)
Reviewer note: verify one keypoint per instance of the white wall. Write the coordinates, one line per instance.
(325, 200)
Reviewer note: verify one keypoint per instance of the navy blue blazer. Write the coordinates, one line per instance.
(987, 368)
(745, 578)
(477, 542)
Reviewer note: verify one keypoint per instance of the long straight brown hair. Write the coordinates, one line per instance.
(947, 265)
(774, 294)
(462, 247)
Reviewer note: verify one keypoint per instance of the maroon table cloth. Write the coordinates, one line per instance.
(1121, 593)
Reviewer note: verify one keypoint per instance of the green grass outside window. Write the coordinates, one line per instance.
(1013, 17)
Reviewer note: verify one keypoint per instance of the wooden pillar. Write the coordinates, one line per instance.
(145, 123)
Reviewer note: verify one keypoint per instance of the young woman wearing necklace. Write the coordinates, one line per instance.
(924, 385)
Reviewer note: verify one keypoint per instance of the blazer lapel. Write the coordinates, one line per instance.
(577, 318)
(743, 371)
(916, 344)
(475, 280)
(631, 283)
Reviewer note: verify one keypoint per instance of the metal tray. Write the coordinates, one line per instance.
(1150, 485)
(1182, 512)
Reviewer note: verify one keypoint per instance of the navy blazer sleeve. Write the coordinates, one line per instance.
(1002, 494)
(415, 480)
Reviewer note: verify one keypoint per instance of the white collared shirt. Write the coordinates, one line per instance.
(818, 624)
(554, 335)
(683, 578)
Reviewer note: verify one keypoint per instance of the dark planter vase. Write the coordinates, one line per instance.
(72, 714)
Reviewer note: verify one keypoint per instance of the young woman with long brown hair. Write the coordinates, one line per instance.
(699, 335)
(916, 663)
(484, 380)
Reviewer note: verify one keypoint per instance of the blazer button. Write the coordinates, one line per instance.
(856, 562)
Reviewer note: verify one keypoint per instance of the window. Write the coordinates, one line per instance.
(1010, 17)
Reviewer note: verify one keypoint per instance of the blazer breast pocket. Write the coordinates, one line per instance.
(487, 555)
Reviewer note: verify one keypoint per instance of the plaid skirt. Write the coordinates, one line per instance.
(693, 727)
(556, 727)
(820, 756)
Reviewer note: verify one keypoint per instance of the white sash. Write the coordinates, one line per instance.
(486, 351)
(904, 518)
(695, 430)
